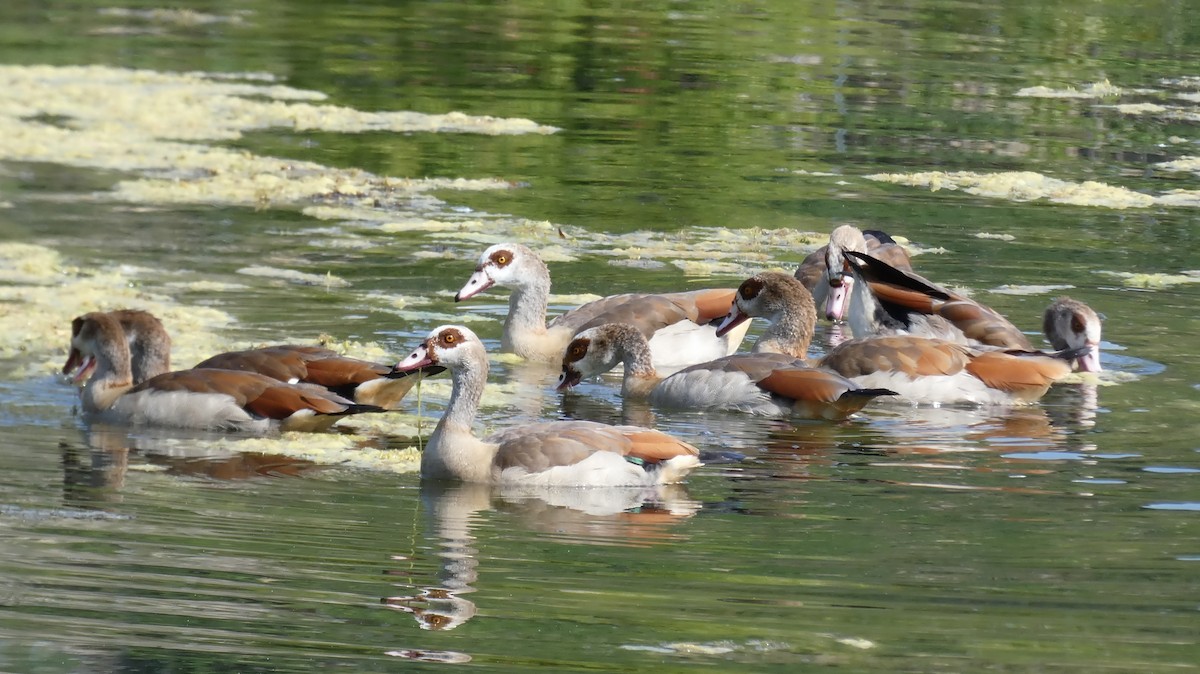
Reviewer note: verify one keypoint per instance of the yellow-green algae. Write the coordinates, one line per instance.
(141, 120)
(28, 263)
(1008, 289)
(1187, 163)
(1150, 281)
(206, 286)
(573, 300)
(41, 295)
(1102, 89)
(128, 119)
(1023, 186)
(1169, 112)
(326, 280)
(352, 451)
(1103, 378)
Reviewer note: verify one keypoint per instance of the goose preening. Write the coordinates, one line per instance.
(823, 271)
(214, 399)
(360, 381)
(919, 369)
(677, 324)
(774, 380)
(1071, 324)
(551, 454)
(901, 302)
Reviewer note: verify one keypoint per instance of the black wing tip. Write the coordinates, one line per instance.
(872, 392)
(361, 408)
(879, 235)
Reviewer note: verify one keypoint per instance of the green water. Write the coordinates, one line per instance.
(1059, 537)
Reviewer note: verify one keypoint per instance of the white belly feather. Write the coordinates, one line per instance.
(184, 409)
(715, 389)
(686, 343)
(962, 387)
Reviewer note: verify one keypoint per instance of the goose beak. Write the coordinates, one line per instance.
(734, 318)
(839, 293)
(416, 360)
(568, 378)
(78, 367)
(478, 283)
(1090, 361)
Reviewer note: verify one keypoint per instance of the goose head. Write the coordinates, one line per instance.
(96, 339)
(592, 352)
(504, 264)
(1071, 324)
(766, 295)
(78, 366)
(841, 280)
(453, 347)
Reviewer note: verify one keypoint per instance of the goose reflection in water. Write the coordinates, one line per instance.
(96, 471)
(612, 516)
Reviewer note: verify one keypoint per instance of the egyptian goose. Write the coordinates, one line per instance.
(901, 302)
(822, 272)
(919, 369)
(770, 384)
(1071, 324)
(214, 399)
(675, 323)
(358, 380)
(549, 454)
(774, 380)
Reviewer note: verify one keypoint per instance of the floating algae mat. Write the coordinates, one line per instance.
(1022, 186)
(1154, 280)
(40, 295)
(1033, 186)
(1102, 89)
(166, 129)
(154, 122)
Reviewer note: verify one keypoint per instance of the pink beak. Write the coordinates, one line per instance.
(1091, 361)
(478, 283)
(734, 318)
(567, 379)
(839, 295)
(416, 360)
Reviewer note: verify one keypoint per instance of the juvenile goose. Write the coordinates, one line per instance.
(1071, 324)
(771, 384)
(358, 380)
(675, 323)
(901, 302)
(823, 271)
(919, 369)
(216, 399)
(549, 454)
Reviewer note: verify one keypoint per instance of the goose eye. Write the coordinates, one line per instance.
(502, 260)
(449, 338)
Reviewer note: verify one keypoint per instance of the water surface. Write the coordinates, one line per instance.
(695, 144)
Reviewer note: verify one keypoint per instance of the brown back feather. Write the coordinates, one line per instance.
(1027, 374)
(655, 446)
(709, 304)
(807, 384)
(914, 356)
(257, 393)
